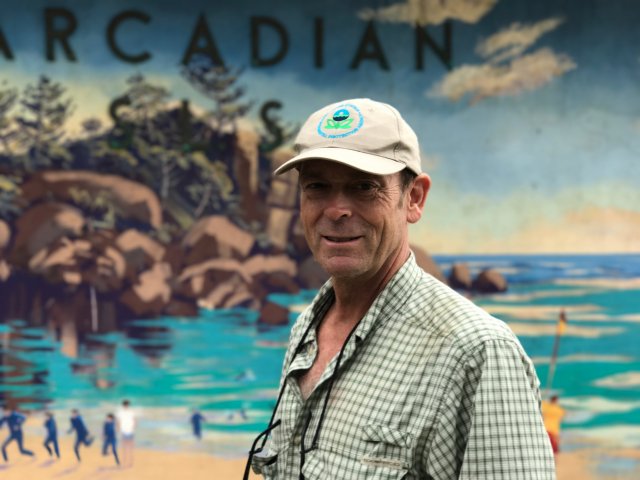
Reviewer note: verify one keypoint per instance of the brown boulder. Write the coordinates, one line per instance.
(41, 226)
(5, 236)
(216, 237)
(426, 262)
(489, 281)
(197, 281)
(279, 226)
(284, 188)
(181, 308)
(269, 274)
(273, 314)
(460, 276)
(139, 250)
(5, 270)
(245, 172)
(152, 293)
(131, 199)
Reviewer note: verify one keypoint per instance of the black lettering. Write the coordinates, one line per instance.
(62, 35)
(318, 55)
(114, 24)
(370, 49)
(256, 24)
(443, 53)
(209, 49)
(4, 46)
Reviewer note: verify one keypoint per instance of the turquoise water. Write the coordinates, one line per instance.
(227, 364)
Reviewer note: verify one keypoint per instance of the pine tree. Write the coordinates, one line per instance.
(218, 83)
(45, 112)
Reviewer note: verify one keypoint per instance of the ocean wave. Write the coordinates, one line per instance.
(619, 380)
(531, 329)
(586, 358)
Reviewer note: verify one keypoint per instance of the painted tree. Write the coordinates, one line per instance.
(142, 108)
(44, 113)
(218, 84)
(8, 100)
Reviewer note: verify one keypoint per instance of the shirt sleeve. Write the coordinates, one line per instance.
(506, 435)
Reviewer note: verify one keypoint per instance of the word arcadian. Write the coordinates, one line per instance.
(60, 25)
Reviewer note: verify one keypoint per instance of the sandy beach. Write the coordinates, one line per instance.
(147, 464)
(586, 464)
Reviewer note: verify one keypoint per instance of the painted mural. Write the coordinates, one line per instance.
(147, 253)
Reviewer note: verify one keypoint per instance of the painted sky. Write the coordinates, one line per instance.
(532, 139)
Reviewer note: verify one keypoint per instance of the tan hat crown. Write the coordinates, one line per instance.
(365, 134)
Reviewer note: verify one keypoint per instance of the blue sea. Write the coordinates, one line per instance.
(227, 364)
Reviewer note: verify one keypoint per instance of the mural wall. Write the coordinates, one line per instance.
(147, 253)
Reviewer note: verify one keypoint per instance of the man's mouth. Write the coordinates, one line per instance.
(340, 239)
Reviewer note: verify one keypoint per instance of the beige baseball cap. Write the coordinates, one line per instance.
(362, 133)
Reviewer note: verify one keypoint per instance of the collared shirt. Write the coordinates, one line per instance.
(429, 387)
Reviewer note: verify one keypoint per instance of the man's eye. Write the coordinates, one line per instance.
(364, 186)
(313, 186)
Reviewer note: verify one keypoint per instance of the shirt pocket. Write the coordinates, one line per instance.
(388, 452)
(324, 465)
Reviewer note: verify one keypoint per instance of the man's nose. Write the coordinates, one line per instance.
(339, 206)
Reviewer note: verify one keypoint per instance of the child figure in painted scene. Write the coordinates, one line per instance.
(127, 425)
(14, 420)
(82, 434)
(52, 434)
(196, 423)
(109, 436)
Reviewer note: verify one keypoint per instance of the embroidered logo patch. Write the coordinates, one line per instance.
(345, 120)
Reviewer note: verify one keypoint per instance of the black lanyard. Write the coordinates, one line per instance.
(273, 424)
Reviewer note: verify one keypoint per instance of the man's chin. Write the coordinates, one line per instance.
(342, 267)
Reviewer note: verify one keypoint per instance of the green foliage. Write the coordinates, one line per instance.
(99, 206)
(9, 191)
(8, 131)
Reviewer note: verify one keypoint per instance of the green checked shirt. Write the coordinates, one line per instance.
(430, 387)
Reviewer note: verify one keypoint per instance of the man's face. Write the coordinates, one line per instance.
(355, 223)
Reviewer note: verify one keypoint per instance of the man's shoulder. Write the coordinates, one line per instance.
(442, 311)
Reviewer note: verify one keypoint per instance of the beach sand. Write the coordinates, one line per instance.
(587, 464)
(148, 464)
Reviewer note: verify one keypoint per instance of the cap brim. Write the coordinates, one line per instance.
(366, 162)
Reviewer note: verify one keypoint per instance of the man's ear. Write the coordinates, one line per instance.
(418, 192)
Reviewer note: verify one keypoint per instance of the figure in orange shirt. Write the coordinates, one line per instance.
(552, 414)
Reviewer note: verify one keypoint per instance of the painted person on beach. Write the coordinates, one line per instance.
(127, 425)
(52, 434)
(109, 436)
(196, 423)
(14, 420)
(389, 372)
(82, 433)
(553, 414)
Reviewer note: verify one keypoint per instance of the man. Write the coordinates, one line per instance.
(52, 435)
(82, 433)
(109, 436)
(389, 373)
(14, 420)
(127, 424)
(196, 423)
(553, 413)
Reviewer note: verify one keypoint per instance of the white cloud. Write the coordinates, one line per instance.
(523, 73)
(515, 39)
(430, 12)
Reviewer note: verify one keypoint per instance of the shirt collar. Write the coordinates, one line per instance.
(390, 300)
